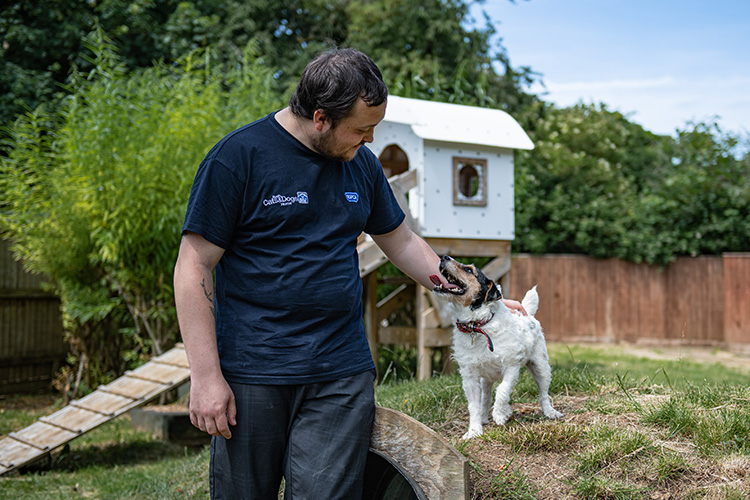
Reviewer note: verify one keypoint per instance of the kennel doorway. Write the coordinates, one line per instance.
(394, 160)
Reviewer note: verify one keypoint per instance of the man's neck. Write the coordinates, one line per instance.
(297, 126)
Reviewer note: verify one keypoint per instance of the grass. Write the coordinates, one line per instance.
(114, 461)
(634, 426)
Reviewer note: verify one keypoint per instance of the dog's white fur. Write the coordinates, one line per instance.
(518, 341)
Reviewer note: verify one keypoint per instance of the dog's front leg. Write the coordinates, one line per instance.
(502, 411)
(473, 393)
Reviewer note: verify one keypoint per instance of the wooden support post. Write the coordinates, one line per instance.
(370, 300)
(424, 353)
(505, 285)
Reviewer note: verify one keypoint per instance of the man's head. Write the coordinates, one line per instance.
(334, 81)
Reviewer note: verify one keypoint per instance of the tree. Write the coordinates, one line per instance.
(425, 49)
(700, 203)
(93, 193)
(600, 185)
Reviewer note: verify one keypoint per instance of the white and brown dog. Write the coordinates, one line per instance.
(491, 343)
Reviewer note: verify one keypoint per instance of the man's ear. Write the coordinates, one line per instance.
(321, 121)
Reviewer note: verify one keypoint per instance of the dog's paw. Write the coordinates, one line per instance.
(472, 433)
(553, 414)
(501, 417)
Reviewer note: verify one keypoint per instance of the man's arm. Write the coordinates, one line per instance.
(415, 257)
(212, 406)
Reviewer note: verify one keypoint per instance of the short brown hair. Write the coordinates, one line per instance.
(333, 82)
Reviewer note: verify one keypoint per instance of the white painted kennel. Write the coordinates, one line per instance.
(463, 156)
(456, 164)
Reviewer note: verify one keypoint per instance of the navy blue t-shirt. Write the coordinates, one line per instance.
(288, 291)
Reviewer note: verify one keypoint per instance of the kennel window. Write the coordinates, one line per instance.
(470, 181)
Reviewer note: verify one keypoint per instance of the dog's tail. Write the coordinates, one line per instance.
(531, 301)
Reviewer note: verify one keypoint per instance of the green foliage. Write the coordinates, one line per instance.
(424, 51)
(576, 190)
(701, 206)
(93, 194)
(600, 185)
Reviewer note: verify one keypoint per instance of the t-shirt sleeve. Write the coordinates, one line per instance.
(386, 214)
(215, 203)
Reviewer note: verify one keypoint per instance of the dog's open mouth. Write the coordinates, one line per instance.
(454, 286)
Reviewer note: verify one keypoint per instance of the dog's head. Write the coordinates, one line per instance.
(471, 288)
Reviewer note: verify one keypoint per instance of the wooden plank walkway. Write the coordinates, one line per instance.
(135, 388)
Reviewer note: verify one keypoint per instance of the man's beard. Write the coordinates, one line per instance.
(327, 146)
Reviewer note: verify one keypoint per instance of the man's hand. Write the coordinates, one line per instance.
(212, 407)
(515, 307)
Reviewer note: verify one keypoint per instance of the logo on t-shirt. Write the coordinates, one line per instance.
(283, 200)
(352, 197)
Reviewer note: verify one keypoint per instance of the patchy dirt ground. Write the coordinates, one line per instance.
(553, 473)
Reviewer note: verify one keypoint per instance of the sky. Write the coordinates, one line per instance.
(663, 63)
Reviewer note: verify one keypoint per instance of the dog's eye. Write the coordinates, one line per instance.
(468, 270)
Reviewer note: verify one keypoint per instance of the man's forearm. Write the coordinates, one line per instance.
(411, 254)
(194, 299)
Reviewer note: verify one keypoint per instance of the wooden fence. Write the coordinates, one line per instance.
(693, 301)
(31, 335)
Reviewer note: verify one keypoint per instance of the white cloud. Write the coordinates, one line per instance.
(609, 85)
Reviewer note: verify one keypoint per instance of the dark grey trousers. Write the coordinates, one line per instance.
(315, 436)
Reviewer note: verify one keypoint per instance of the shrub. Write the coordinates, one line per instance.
(93, 194)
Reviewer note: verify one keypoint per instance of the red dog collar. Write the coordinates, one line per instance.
(476, 327)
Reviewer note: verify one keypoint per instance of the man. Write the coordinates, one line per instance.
(281, 372)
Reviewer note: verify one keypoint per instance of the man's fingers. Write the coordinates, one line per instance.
(210, 425)
(222, 428)
(232, 412)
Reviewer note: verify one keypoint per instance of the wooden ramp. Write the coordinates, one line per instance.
(135, 388)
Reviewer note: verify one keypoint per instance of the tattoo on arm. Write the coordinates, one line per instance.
(209, 296)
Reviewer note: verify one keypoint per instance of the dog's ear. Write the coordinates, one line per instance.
(493, 292)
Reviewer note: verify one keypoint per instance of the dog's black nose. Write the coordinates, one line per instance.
(446, 258)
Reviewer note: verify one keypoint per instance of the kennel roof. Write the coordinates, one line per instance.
(446, 122)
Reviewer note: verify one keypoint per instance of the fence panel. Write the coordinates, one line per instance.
(31, 334)
(737, 300)
(701, 301)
